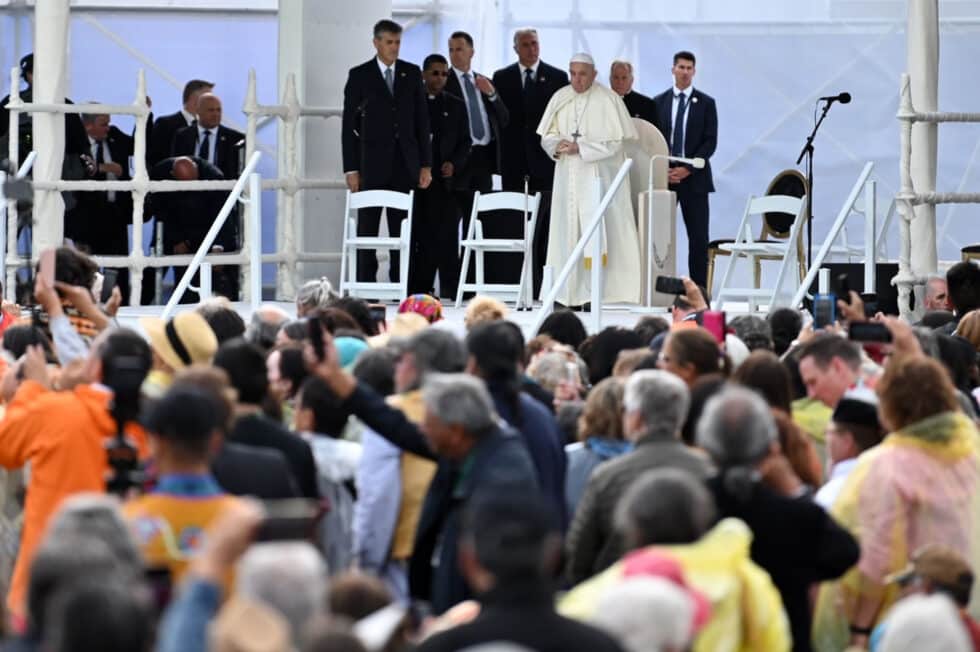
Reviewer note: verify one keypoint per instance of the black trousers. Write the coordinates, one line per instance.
(111, 238)
(694, 208)
(435, 241)
(369, 220)
(476, 176)
(541, 229)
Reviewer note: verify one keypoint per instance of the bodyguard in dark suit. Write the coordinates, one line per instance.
(487, 115)
(435, 226)
(220, 146)
(385, 136)
(637, 104)
(689, 120)
(526, 87)
(98, 222)
(166, 126)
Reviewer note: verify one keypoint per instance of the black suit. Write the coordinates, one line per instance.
(435, 228)
(700, 140)
(162, 139)
(483, 162)
(98, 225)
(640, 106)
(252, 471)
(385, 139)
(227, 155)
(522, 153)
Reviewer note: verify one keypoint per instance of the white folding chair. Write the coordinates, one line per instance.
(787, 252)
(522, 294)
(390, 200)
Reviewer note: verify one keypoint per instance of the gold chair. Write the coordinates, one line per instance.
(775, 226)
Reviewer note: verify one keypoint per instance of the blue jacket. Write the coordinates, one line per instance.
(543, 438)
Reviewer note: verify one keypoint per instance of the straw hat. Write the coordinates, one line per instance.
(184, 340)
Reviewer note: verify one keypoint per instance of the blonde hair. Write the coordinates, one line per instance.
(482, 309)
(969, 328)
(603, 411)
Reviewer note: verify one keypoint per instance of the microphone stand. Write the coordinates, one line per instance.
(807, 151)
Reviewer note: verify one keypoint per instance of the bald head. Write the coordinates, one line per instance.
(184, 169)
(208, 110)
(621, 77)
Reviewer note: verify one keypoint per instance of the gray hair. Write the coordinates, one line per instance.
(754, 331)
(89, 118)
(518, 33)
(737, 430)
(925, 622)
(95, 516)
(460, 399)
(264, 325)
(662, 400)
(435, 351)
(664, 506)
(927, 340)
(316, 294)
(289, 577)
(647, 614)
(550, 369)
(620, 62)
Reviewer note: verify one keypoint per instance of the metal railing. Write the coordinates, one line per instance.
(288, 186)
(254, 203)
(596, 281)
(5, 207)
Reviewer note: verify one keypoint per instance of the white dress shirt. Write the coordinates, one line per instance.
(212, 139)
(687, 111)
(188, 117)
(106, 158)
(480, 109)
(828, 493)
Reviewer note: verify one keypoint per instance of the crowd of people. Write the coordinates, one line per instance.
(336, 481)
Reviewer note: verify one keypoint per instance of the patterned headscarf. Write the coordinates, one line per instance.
(423, 304)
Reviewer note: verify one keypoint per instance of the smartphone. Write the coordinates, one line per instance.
(824, 310)
(46, 266)
(869, 331)
(315, 330)
(713, 321)
(670, 285)
(378, 314)
(109, 280)
(291, 519)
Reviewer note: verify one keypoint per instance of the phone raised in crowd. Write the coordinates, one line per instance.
(315, 330)
(379, 314)
(869, 331)
(290, 519)
(670, 285)
(109, 279)
(714, 322)
(844, 287)
(824, 310)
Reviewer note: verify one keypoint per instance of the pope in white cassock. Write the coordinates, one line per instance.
(584, 127)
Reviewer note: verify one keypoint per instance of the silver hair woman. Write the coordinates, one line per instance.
(315, 295)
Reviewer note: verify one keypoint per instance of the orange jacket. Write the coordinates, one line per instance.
(62, 435)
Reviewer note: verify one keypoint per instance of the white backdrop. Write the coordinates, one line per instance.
(764, 61)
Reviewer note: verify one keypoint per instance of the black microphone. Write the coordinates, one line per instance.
(843, 98)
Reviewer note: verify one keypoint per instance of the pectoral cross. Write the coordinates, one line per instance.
(575, 136)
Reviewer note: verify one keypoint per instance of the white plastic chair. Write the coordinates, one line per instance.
(353, 243)
(522, 293)
(746, 246)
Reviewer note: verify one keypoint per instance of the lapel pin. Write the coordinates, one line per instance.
(445, 114)
(403, 74)
(694, 100)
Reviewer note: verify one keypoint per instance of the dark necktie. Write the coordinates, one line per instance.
(99, 156)
(205, 147)
(476, 123)
(390, 80)
(528, 80)
(677, 139)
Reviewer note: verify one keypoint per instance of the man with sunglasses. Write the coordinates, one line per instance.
(435, 228)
